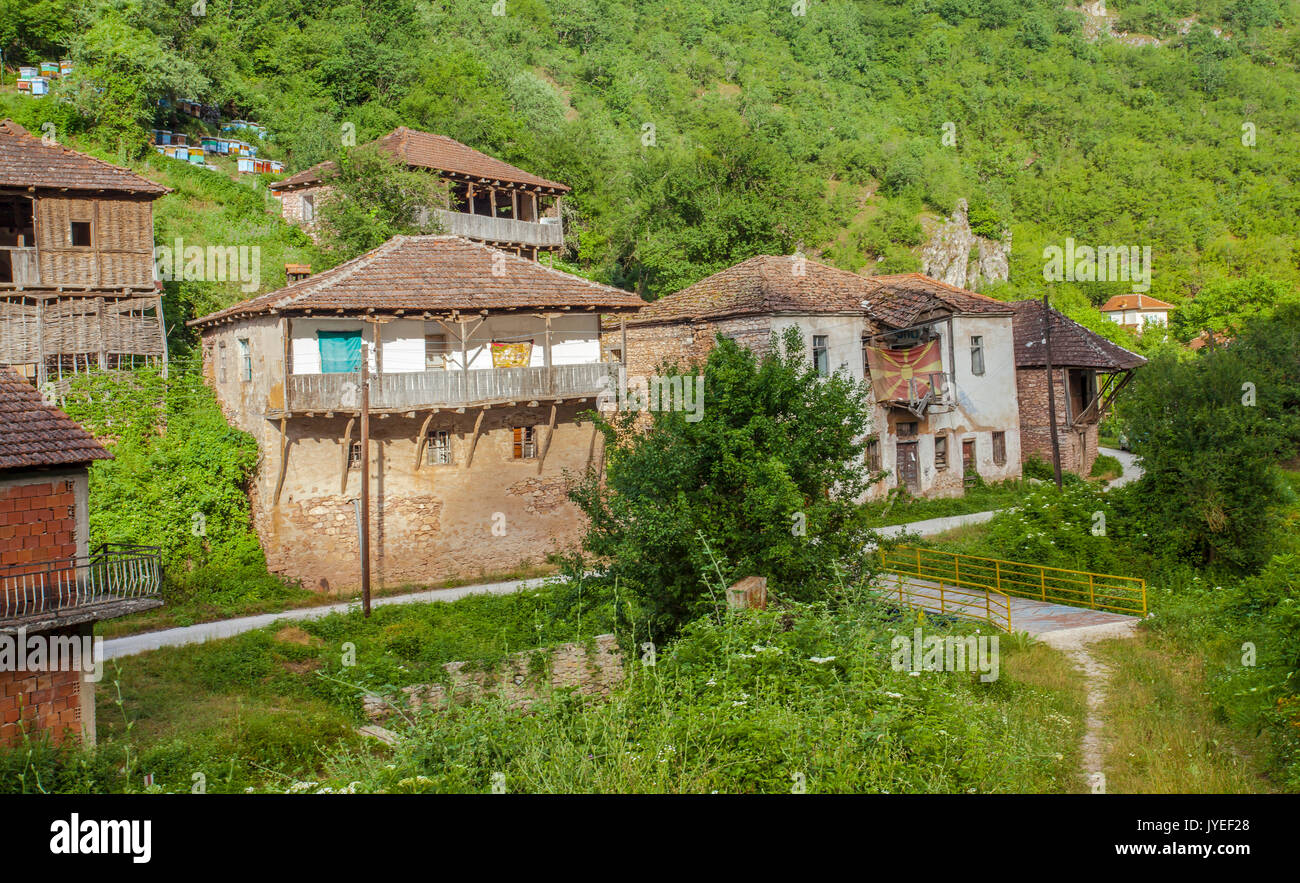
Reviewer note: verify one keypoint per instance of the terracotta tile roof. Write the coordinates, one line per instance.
(1134, 302)
(774, 283)
(435, 273)
(33, 434)
(428, 151)
(1073, 346)
(903, 300)
(26, 161)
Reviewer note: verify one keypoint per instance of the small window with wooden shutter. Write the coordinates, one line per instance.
(525, 448)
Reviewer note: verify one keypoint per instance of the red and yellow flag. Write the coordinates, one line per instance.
(511, 355)
(904, 375)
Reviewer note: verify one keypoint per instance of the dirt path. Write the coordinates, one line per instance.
(1074, 644)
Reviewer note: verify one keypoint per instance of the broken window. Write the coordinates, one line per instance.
(1000, 448)
(976, 355)
(906, 429)
(941, 452)
(525, 447)
(354, 455)
(872, 454)
(308, 208)
(221, 361)
(245, 360)
(821, 354)
(438, 445)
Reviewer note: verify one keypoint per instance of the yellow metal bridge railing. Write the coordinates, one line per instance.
(938, 596)
(1073, 588)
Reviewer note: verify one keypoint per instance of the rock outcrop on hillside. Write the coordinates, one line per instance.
(955, 255)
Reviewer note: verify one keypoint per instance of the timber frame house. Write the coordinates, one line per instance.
(479, 366)
(488, 200)
(77, 289)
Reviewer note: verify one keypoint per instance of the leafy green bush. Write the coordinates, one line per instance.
(765, 482)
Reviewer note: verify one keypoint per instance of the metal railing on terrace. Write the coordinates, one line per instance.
(451, 387)
(1073, 588)
(112, 572)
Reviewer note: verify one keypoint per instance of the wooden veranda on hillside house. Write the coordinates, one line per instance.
(77, 288)
(429, 324)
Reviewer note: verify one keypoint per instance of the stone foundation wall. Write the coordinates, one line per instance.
(521, 679)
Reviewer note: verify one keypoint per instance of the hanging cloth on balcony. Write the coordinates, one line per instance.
(340, 351)
(511, 355)
(904, 375)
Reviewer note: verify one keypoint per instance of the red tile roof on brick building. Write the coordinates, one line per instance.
(1073, 346)
(428, 151)
(28, 161)
(435, 274)
(794, 285)
(34, 435)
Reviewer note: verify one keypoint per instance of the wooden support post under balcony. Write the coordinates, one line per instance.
(284, 460)
(546, 445)
(422, 439)
(591, 446)
(473, 442)
(347, 449)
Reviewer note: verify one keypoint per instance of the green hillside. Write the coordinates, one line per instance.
(696, 135)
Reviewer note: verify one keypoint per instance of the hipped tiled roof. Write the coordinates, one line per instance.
(35, 435)
(27, 161)
(1073, 346)
(1134, 302)
(435, 273)
(428, 151)
(788, 284)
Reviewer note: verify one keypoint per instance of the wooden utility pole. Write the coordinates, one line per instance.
(364, 380)
(1051, 390)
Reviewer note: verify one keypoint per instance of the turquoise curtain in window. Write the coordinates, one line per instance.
(340, 351)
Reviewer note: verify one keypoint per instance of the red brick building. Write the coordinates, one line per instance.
(1087, 372)
(53, 588)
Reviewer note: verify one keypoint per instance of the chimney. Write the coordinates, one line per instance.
(296, 272)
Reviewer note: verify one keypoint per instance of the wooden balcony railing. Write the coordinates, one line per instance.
(450, 388)
(489, 229)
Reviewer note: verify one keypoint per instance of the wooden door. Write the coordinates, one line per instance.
(909, 473)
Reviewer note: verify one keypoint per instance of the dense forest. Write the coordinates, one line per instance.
(696, 135)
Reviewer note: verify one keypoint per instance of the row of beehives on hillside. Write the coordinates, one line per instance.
(245, 126)
(35, 80)
(174, 144)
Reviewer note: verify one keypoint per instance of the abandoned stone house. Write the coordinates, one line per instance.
(77, 287)
(1088, 371)
(938, 358)
(480, 364)
(488, 200)
(53, 586)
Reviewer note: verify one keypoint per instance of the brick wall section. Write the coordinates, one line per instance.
(40, 702)
(650, 346)
(1078, 444)
(37, 523)
(520, 679)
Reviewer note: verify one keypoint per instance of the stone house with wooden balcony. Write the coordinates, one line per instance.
(1088, 371)
(77, 287)
(480, 364)
(938, 358)
(488, 200)
(53, 586)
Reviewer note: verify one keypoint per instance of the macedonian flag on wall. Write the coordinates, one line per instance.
(904, 375)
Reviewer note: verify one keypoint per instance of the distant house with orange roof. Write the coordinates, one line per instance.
(1137, 311)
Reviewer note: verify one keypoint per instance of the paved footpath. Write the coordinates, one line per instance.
(1026, 615)
(227, 628)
